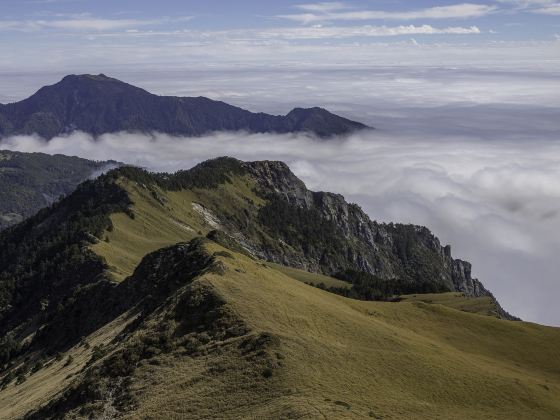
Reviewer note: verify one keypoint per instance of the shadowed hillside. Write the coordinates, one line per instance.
(101, 104)
(31, 181)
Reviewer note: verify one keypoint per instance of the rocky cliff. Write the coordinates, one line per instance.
(261, 208)
(389, 251)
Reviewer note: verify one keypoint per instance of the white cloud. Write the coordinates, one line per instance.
(272, 35)
(84, 24)
(379, 78)
(467, 148)
(495, 200)
(324, 7)
(553, 9)
(359, 32)
(106, 26)
(544, 7)
(321, 12)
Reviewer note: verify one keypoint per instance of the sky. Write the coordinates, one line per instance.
(463, 96)
(83, 35)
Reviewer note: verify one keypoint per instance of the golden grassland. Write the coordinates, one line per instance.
(42, 386)
(482, 305)
(343, 358)
(397, 360)
(425, 357)
(309, 278)
(340, 358)
(166, 220)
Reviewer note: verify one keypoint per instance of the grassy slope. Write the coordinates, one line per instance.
(337, 358)
(157, 225)
(481, 305)
(41, 387)
(309, 278)
(350, 359)
(344, 357)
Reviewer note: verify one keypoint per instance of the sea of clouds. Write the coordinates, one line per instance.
(471, 153)
(497, 203)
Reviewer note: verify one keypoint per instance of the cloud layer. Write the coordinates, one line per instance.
(325, 12)
(496, 202)
(469, 148)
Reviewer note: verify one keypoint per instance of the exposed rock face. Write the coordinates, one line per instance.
(276, 177)
(389, 251)
(44, 260)
(463, 281)
(100, 104)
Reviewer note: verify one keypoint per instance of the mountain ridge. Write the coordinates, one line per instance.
(190, 295)
(98, 104)
(260, 206)
(222, 336)
(31, 181)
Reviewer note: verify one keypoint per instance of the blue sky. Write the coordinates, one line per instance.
(79, 35)
(451, 21)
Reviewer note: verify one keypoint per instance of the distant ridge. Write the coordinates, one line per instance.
(32, 181)
(98, 104)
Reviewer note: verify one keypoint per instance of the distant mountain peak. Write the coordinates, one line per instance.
(86, 76)
(99, 104)
(82, 82)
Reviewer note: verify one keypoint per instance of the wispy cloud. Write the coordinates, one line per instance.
(324, 7)
(335, 32)
(552, 9)
(51, 1)
(82, 22)
(325, 12)
(544, 7)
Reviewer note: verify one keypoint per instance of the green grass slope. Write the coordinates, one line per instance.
(209, 330)
(347, 358)
(245, 340)
(482, 305)
(163, 218)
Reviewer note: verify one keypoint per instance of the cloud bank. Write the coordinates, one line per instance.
(325, 12)
(469, 148)
(497, 202)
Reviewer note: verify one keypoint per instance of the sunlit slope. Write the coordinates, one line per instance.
(162, 218)
(309, 278)
(293, 351)
(340, 357)
(347, 358)
(208, 329)
(482, 305)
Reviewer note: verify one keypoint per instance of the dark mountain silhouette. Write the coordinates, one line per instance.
(101, 104)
